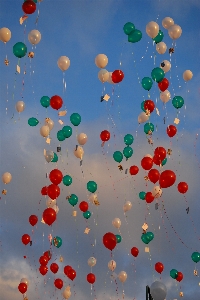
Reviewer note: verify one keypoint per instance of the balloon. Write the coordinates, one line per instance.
(91, 278)
(67, 180)
(33, 219)
(174, 273)
(67, 131)
(22, 287)
(147, 163)
(174, 31)
(73, 200)
(128, 139)
(49, 216)
(78, 152)
(142, 195)
(158, 290)
(148, 128)
(167, 22)
(153, 175)
(171, 130)
(147, 83)
(56, 176)
(135, 36)
(149, 105)
(112, 265)
(33, 121)
(182, 187)
(75, 119)
(134, 251)
(167, 178)
(44, 131)
(161, 48)
(49, 123)
(159, 37)
(118, 156)
(159, 267)
(145, 238)
(19, 49)
(54, 268)
(178, 102)
(179, 277)
(133, 170)
(57, 242)
(29, 7)
(45, 101)
(67, 293)
(149, 197)
(128, 151)
(20, 106)
(157, 74)
(34, 37)
(43, 260)
(117, 76)
(163, 85)
(109, 240)
(26, 239)
(55, 157)
(143, 117)
(25, 280)
(118, 238)
(152, 29)
(58, 283)
(103, 75)
(122, 276)
(128, 28)
(83, 206)
(101, 60)
(127, 206)
(187, 75)
(92, 262)
(87, 214)
(165, 66)
(93, 198)
(71, 274)
(105, 135)
(165, 96)
(195, 257)
(43, 270)
(6, 177)
(5, 35)
(49, 156)
(156, 192)
(47, 254)
(160, 153)
(92, 186)
(164, 162)
(110, 78)
(82, 139)
(116, 223)
(66, 269)
(63, 63)
(50, 202)
(56, 102)
(60, 136)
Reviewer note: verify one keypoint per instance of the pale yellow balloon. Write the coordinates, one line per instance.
(110, 78)
(63, 63)
(165, 96)
(161, 47)
(174, 32)
(50, 202)
(67, 293)
(156, 192)
(112, 265)
(92, 262)
(103, 75)
(93, 198)
(166, 65)
(78, 152)
(20, 106)
(44, 130)
(127, 206)
(34, 37)
(82, 139)
(187, 75)
(116, 223)
(142, 117)
(49, 123)
(101, 60)
(6, 177)
(122, 276)
(167, 22)
(5, 34)
(152, 29)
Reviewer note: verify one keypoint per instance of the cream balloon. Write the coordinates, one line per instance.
(116, 223)
(6, 177)
(142, 117)
(152, 29)
(112, 265)
(122, 276)
(103, 75)
(82, 139)
(20, 106)
(49, 123)
(49, 155)
(25, 280)
(63, 63)
(5, 35)
(156, 192)
(67, 293)
(44, 130)
(161, 47)
(56, 208)
(165, 96)
(101, 60)
(167, 22)
(92, 262)
(110, 78)
(50, 202)
(34, 37)
(187, 75)
(165, 65)
(78, 152)
(127, 206)
(93, 198)
(175, 32)
(149, 155)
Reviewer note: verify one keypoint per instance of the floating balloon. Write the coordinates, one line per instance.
(78, 152)
(128, 139)
(128, 152)
(67, 293)
(101, 60)
(118, 238)
(174, 273)
(75, 119)
(103, 75)
(83, 206)
(165, 96)
(128, 28)
(50, 202)
(148, 128)
(5, 35)
(56, 176)
(26, 239)
(109, 240)
(143, 117)
(159, 37)
(58, 283)
(33, 219)
(159, 267)
(165, 66)
(49, 156)
(158, 290)
(147, 163)
(19, 49)
(22, 287)
(163, 85)
(133, 170)
(34, 37)
(49, 216)
(195, 257)
(60, 136)
(91, 278)
(157, 74)
(48, 254)
(187, 75)
(112, 265)
(67, 180)
(105, 135)
(149, 197)
(33, 121)
(56, 102)
(93, 198)
(43, 260)
(73, 199)
(179, 277)
(92, 262)
(134, 251)
(142, 195)
(55, 157)
(127, 206)
(118, 156)
(174, 31)
(182, 187)
(122, 276)
(49, 123)
(161, 48)
(152, 29)
(29, 7)
(66, 269)
(43, 270)
(149, 105)
(160, 153)
(63, 63)
(135, 36)
(54, 268)
(20, 106)
(178, 102)
(71, 274)
(153, 175)
(171, 130)
(156, 192)
(167, 178)
(67, 131)
(116, 223)
(117, 76)
(110, 78)
(167, 22)
(57, 242)
(45, 101)
(6, 177)
(147, 83)
(87, 214)
(92, 186)
(82, 139)
(44, 131)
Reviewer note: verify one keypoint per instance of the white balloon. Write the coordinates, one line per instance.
(112, 265)
(44, 130)
(149, 155)
(50, 202)
(174, 32)
(56, 208)
(34, 37)
(116, 223)
(20, 106)
(156, 192)
(63, 63)
(92, 262)
(167, 22)
(110, 78)
(67, 292)
(49, 155)
(142, 117)
(158, 290)
(25, 280)
(165, 65)
(49, 123)
(6, 177)
(187, 75)
(93, 198)
(5, 35)
(165, 96)
(113, 276)
(101, 60)
(78, 152)
(127, 206)
(103, 75)
(152, 29)
(82, 139)
(122, 276)
(161, 47)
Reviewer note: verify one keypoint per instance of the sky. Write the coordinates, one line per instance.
(81, 30)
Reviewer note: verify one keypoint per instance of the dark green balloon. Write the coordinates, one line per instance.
(55, 158)
(67, 180)
(87, 214)
(178, 102)
(67, 131)
(164, 161)
(128, 152)
(60, 135)
(195, 257)
(128, 28)
(75, 119)
(142, 106)
(148, 127)
(118, 156)
(73, 200)
(118, 238)
(147, 83)
(92, 186)
(135, 36)
(19, 49)
(142, 195)
(159, 37)
(33, 121)
(45, 101)
(33, 1)
(150, 235)
(145, 238)
(128, 139)
(157, 74)
(174, 273)
(57, 242)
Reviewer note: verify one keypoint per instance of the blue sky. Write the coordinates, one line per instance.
(81, 30)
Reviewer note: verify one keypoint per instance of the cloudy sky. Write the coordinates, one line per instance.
(80, 30)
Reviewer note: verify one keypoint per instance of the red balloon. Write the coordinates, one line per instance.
(43, 260)
(83, 206)
(133, 170)
(109, 240)
(159, 267)
(149, 197)
(171, 130)
(58, 283)
(182, 187)
(43, 270)
(29, 7)
(33, 219)
(179, 277)
(91, 278)
(153, 175)
(149, 105)
(48, 254)
(56, 176)
(117, 76)
(56, 102)
(44, 191)
(147, 163)
(22, 287)
(105, 135)
(160, 153)
(49, 215)
(26, 239)
(157, 161)
(66, 269)
(167, 179)
(53, 191)
(71, 274)
(54, 268)
(134, 251)
(163, 85)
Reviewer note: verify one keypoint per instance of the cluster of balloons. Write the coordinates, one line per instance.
(23, 285)
(176, 275)
(134, 35)
(127, 152)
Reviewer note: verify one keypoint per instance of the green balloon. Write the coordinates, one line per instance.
(150, 235)
(178, 102)
(128, 28)
(145, 238)
(148, 127)
(195, 257)
(118, 156)
(128, 152)
(33, 121)
(75, 119)
(135, 36)
(157, 74)
(159, 37)
(67, 180)
(55, 158)
(45, 101)
(174, 273)
(73, 200)
(19, 49)
(142, 106)
(142, 195)
(164, 161)
(33, 1)
(128, 139)
(57, 242)
(60, 135)
(67, 131)
(92, 186)
(118, 238)
(87, 214)
(147, 83)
